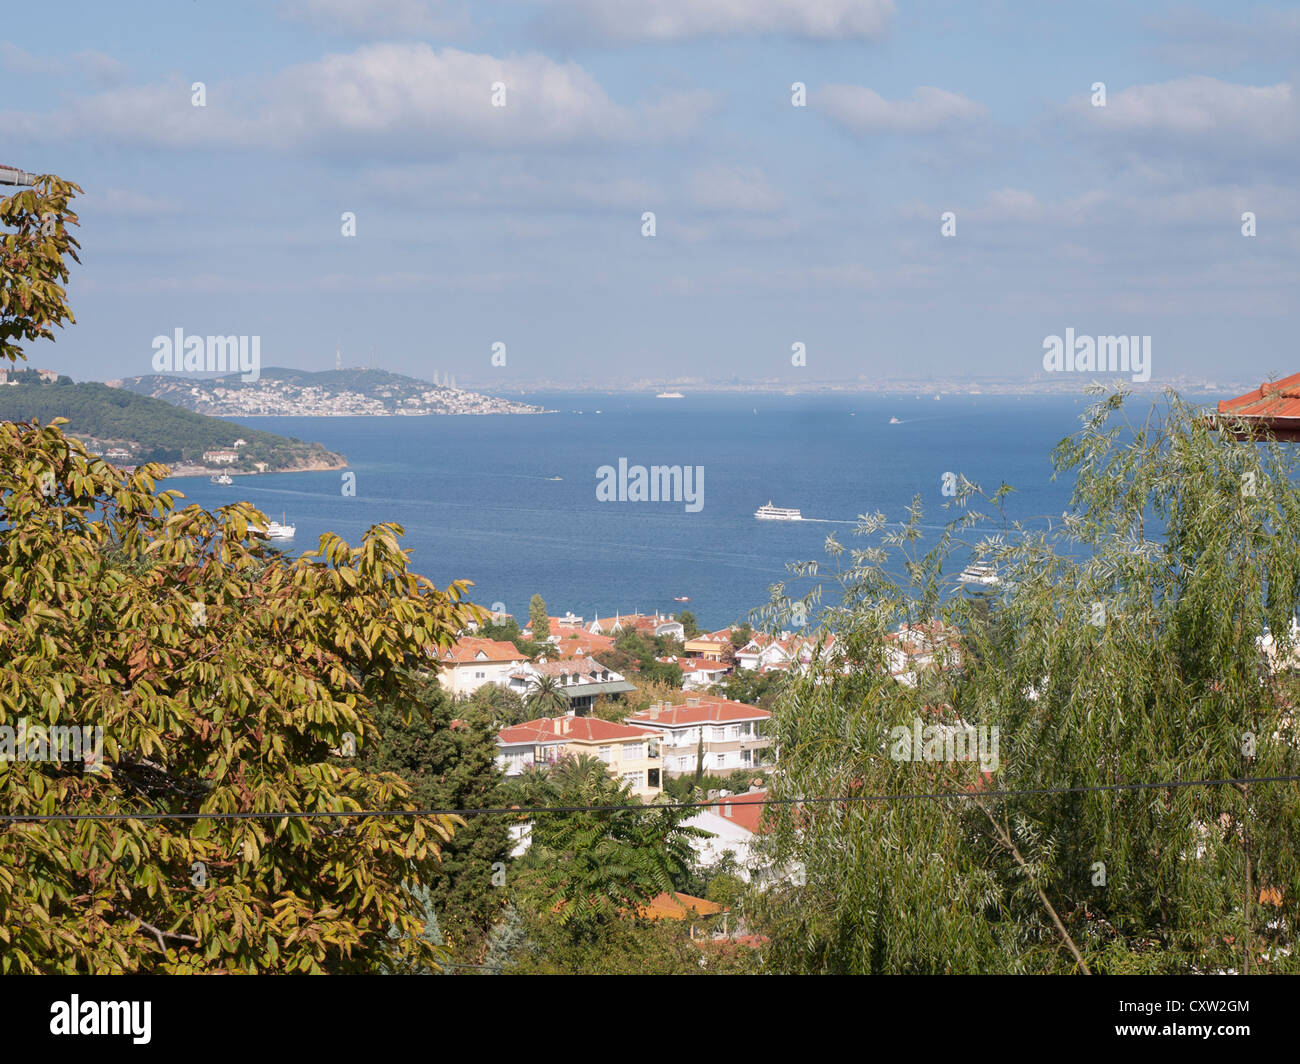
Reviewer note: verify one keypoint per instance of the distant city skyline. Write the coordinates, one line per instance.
(469, 191)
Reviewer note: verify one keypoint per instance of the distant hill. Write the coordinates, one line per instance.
(329, 393)
(138, 429)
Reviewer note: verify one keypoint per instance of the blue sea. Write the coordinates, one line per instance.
(478, 502)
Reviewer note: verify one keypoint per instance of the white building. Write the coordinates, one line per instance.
(473, 662)
(732, 734)
(580, 680)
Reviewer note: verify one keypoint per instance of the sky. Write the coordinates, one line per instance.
(518, 219)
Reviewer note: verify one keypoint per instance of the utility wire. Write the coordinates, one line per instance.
(523, 811)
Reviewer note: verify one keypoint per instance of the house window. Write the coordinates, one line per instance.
(633, 751)
(634, 779)
(607, 754)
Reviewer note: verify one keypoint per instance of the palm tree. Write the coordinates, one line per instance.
(545, 696)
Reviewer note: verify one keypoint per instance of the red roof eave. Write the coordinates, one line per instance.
(1272, 409)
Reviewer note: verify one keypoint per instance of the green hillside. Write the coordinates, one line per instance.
(150, 429)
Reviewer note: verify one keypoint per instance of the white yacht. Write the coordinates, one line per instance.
(224, 478)
(278, 530)
(979, 573)
(777, 513)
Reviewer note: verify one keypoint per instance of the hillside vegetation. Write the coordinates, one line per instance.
(150, 429)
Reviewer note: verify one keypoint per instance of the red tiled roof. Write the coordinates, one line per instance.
(697, 664)
(743, 810)
(467, 650)
(581, 729)
(678, 907)
(712, 709)
(1273, 407)
(578, 642)
(574, 666)
(722, 636)
(640, 621)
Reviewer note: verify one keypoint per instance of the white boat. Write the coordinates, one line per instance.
(670, 395)
(894, 421)
(278, 530)
(223, 479)
(979, 573)
(777, 513)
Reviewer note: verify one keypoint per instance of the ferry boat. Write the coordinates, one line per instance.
(670, 395)
(777, 513)
(979, 573)
(278, 530)
(681, 598)
(223, 479)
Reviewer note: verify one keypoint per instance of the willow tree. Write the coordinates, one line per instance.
(224, 678)
(1121, 661)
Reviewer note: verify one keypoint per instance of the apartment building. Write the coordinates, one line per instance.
(732, 734)
(581, 681)
(631, 753)
(473, 662)
(712, 645)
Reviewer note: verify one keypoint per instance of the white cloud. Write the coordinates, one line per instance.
(1200, 109)
(860, 110)
(402, 100)
(673, 20)
(377, 18)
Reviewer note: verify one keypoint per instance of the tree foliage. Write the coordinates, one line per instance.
(445, 750)
(1122, 648)
(222, 675)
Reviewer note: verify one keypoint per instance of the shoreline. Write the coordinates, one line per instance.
(182, 471)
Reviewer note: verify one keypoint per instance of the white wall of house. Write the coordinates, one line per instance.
(728, 836)
(464, 678)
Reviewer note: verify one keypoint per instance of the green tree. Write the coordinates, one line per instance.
(222, 675)
(545, 697)
(586, 869)
(1124, 648)
(502, 706)
(538, 620)
(690, 626)
(507, 942)
(445, 750)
